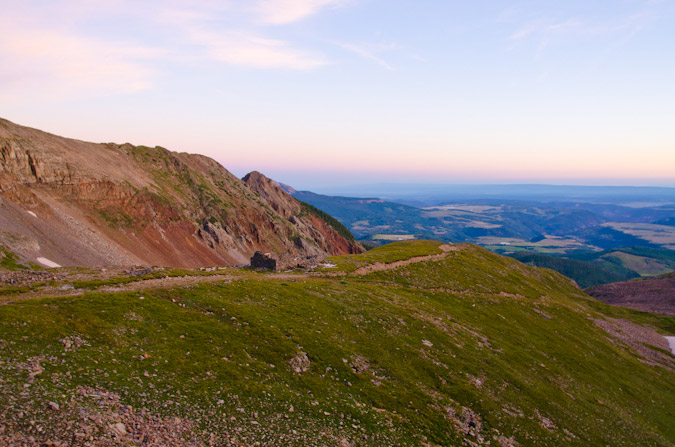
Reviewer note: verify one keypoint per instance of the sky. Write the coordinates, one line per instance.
(321, 93)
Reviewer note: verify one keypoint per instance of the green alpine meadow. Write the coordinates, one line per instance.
(415, 343)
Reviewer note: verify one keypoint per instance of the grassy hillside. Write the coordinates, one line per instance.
(469, 348)
(10, 261)
(387, 254)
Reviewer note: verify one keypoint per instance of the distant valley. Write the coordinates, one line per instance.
(609, 234)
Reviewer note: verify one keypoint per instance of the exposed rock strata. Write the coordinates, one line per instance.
(79, 203)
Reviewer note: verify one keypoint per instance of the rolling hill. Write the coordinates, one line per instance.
(654, 294)
(506, 225)
(584, 273)
(609, 266)
(592, 243)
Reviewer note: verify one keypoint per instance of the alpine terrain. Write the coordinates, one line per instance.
(68, 202)
(414, 343)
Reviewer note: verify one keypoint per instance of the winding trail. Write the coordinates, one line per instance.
(381, 266)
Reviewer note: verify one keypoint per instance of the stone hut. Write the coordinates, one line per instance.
(263, 261)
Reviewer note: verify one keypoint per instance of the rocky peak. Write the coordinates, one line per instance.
(277, 198)
(304, 218)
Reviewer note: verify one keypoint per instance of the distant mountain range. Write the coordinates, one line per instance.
(69, 202)
(439, 194)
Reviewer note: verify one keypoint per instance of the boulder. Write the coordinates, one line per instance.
(263, 261)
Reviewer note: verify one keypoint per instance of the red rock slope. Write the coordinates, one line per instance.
(78, 203)
(655, 294)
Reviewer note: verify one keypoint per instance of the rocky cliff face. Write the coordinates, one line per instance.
(311, 229)
(78, 203)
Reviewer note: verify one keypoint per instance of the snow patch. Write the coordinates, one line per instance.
(671, 343)
(46, 262)
(32, 213)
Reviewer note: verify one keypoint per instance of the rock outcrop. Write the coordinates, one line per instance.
(312, 234)
(263, 261)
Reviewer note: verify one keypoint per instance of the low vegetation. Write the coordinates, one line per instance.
(10, 261)
(469, 348)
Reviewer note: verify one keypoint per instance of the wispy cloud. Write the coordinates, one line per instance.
(370, 52)
(52, 49)
(240, 33)
(54, 62)
(546, 29)
(246, 46)
(287, 11)
(251, 50)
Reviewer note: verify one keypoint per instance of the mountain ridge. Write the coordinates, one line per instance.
(79, 203)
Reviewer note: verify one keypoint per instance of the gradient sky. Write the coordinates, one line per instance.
(328, 92)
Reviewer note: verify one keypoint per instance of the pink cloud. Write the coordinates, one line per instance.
(56, 63)
(251, 50)
(288, 11)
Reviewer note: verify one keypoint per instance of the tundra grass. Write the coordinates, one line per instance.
(469, 349)
(164, 273)
(10, 261)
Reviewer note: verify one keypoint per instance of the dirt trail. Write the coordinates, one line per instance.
(142, 284)
(181, 281)
(155, 283)
(381, 266)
